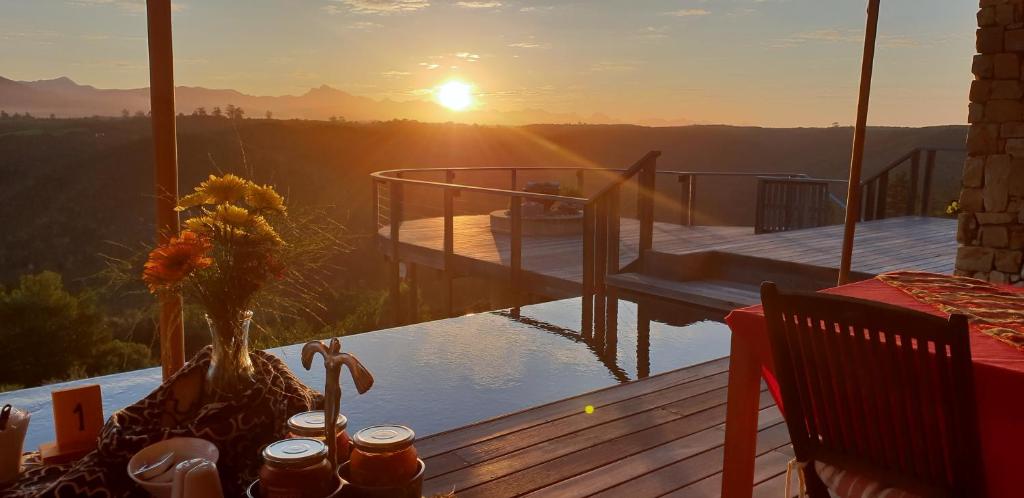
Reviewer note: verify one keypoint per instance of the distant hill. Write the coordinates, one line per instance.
(70, 186)
(63, 97)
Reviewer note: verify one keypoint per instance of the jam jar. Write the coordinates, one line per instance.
(383, 455)
(311, 425)
(296, 468)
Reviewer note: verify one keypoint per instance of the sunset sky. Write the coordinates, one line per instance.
(760, 62)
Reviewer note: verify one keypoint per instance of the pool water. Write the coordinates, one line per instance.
(439, 375)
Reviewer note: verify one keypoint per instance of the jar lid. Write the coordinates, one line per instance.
(295, 452)
(384, 438)
(312, 423)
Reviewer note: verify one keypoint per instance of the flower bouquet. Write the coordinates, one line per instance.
(228, 251)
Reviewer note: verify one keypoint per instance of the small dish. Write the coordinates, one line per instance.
(184, 448)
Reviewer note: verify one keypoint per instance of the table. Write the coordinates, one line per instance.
(998, 377)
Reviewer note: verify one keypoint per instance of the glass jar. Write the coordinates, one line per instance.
(296, 468)
(383, 455)
(311, 425)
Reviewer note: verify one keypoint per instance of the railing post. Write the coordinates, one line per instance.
(926, 192)
(684, 202)
(514, 182)
(691, 203)
(601, 246)
(449, 250)
(882, 202)
(759, 207)
(915, 162)
(588, 268)
(395, 218)
(614, 236)
(869, 201)
(579, 181)
(375, 198)
(516, 248)
(645, 207)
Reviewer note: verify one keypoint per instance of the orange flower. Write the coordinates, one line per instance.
(170, 263)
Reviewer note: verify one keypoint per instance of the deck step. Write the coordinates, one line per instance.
(723, 295)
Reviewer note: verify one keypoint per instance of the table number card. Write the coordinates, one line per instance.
(77, 419)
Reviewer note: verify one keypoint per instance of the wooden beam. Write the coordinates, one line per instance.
(857, 155)
(165, 161)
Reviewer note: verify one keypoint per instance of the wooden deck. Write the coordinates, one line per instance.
(660, 436)
(552, 264)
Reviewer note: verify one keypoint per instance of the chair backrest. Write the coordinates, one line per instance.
(869, 385)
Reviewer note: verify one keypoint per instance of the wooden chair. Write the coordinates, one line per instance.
(881, 392)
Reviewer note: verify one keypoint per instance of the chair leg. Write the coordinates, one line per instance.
(815, 488)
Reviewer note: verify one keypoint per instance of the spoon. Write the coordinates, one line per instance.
(156, 467)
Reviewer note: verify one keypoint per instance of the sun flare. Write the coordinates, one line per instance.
(455, 95)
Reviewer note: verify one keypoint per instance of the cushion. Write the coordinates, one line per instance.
(848, 484)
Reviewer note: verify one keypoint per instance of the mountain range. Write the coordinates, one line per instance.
(63, 97)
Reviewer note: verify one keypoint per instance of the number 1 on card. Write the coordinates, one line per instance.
(77, 416)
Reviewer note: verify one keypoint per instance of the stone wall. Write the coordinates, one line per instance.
(991, 221)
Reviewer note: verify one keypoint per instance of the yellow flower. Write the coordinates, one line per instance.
(192, 200)
(232, 215)
(261, 230)
(219, 190)
(264, 197)
(201, 224)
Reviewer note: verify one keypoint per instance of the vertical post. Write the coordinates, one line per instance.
(516, 250)
(600, 264)
(915, 168)
(165, 155)
(514, 183)
(759, 207)
(882, 197)
(926, 192)
(857, 154)
(645, 208)
(684, 194)
(588, 269)
(396, 275)
(579, 181)
(449, 246)
(691, 202)
(614, 237)
(375, 198)
(869, 201)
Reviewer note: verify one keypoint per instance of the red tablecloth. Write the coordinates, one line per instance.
(998, 375)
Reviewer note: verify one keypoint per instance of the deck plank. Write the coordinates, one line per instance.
(652, 436)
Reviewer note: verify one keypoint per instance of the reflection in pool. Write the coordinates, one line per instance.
(439, 375)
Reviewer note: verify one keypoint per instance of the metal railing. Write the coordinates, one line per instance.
(602, 213)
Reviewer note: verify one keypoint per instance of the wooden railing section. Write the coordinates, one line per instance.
(787, 203)
(875, 189)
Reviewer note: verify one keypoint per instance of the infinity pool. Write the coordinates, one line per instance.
(439, 375)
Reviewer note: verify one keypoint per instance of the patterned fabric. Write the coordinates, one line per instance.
(239, 427)
(989, 309)
(847, 484)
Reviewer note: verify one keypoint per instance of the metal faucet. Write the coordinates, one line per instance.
(333, 361)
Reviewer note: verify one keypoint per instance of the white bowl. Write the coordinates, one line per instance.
(184, 448)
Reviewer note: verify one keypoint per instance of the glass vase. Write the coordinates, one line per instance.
(231, 371)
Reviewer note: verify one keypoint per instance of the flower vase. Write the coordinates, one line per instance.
(231, 371)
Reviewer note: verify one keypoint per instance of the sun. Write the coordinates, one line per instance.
(455, 95)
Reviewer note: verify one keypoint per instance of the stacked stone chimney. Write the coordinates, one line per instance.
(991, 221)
